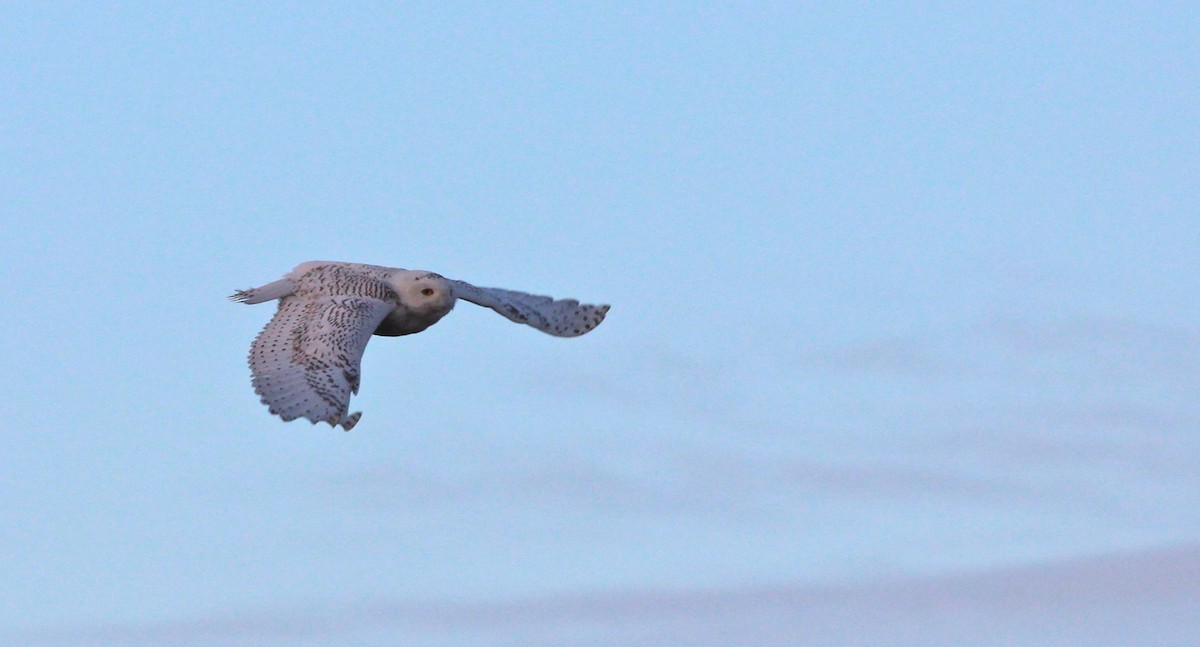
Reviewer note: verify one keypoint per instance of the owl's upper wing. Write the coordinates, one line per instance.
(305, 362)
(561, 318)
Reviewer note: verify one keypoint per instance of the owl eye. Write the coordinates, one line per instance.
(427, 291)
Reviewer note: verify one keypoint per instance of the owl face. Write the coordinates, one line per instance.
(423, 292)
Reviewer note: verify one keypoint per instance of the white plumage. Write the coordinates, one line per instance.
(305, 362)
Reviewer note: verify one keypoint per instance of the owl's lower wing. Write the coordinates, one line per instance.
(558, 317)
(305, 362)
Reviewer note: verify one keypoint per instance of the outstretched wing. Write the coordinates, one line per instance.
(305, 362)
(561, 317)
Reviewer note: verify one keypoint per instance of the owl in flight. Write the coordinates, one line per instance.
(305, 362)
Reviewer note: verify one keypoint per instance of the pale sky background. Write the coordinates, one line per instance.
(904, 347)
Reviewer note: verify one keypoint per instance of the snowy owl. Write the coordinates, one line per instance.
(305, 362)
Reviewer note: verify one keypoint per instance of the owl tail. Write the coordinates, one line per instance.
(268, 292)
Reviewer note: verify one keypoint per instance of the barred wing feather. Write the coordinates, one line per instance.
(306, 361)
(558, 317)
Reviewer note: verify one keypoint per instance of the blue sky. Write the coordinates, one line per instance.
(904, 324)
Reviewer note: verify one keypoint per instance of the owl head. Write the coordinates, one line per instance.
(423, 293)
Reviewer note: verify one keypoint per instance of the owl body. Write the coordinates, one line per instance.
(410, 315)
(306, 361)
